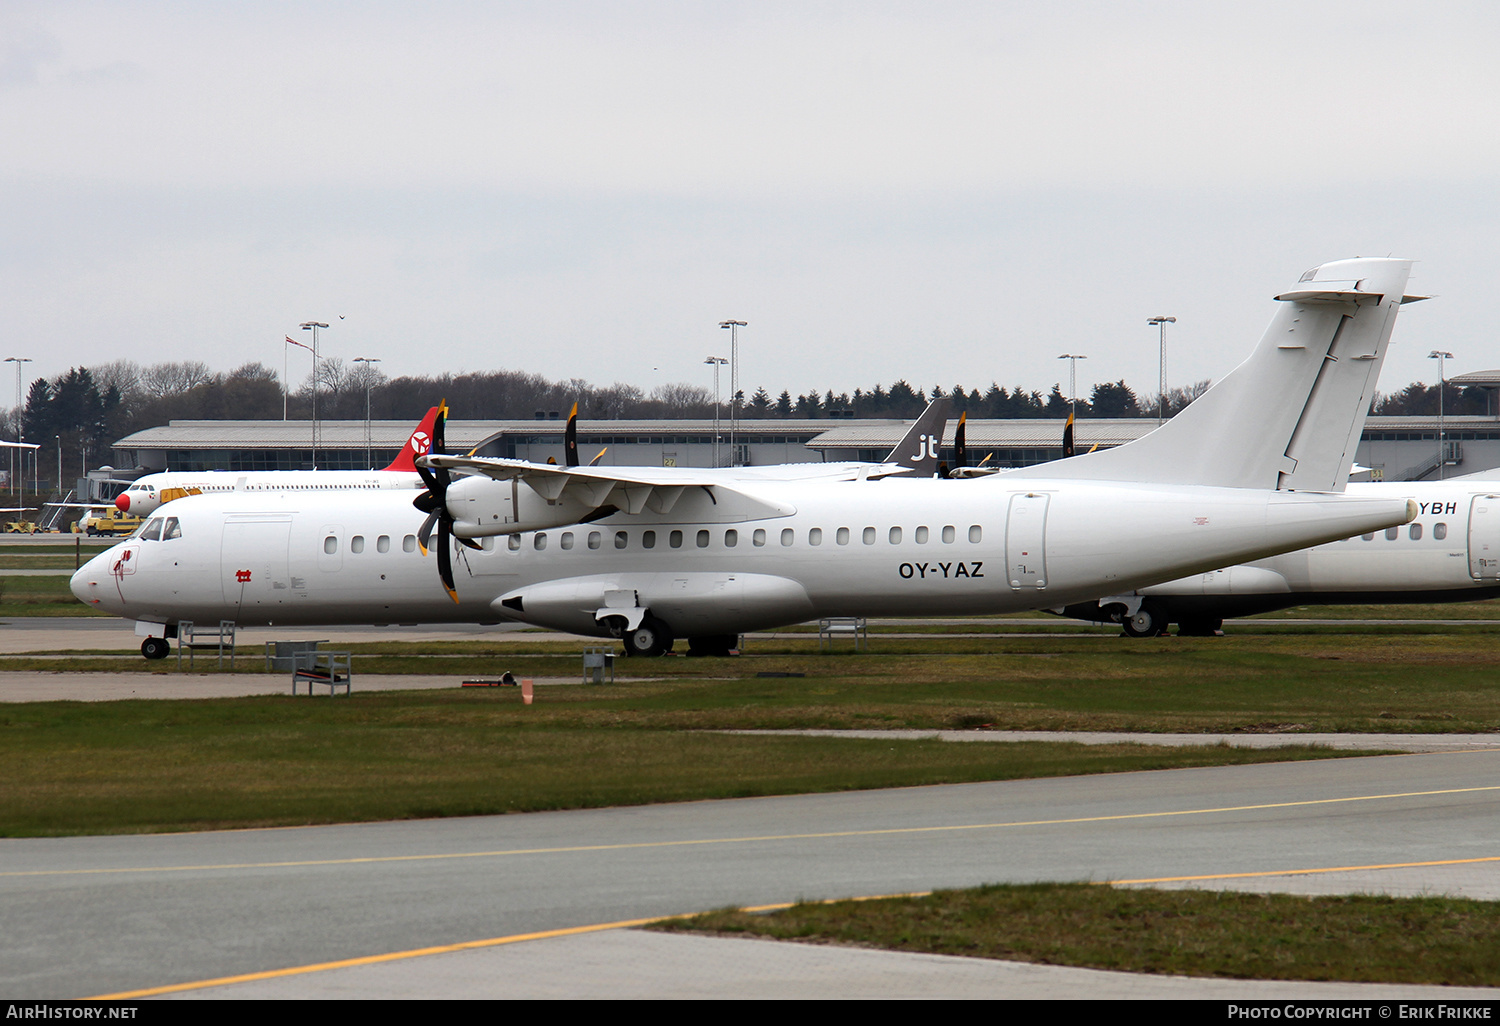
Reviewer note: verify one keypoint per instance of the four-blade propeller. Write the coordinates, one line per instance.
(434, 502)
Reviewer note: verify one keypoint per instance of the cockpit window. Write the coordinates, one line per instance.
(172, 530)
(153, 530)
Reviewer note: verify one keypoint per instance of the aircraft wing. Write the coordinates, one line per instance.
(545, 495)
(547, 476)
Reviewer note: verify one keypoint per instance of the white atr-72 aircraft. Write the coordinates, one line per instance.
(146, 493)
(649, 555)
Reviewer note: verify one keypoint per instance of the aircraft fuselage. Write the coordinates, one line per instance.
(751, 558)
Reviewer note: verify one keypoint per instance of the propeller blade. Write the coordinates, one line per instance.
(570, 438)
(1068, 438)
(440, 430)
(425, 534)
(961, 441)
(445, 559)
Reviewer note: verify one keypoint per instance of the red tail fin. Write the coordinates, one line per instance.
(417, 445)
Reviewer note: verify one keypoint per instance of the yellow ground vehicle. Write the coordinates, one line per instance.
(106, 520)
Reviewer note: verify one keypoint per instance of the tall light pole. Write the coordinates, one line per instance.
(1440, 356)
(734, 386)
(1073, 359)
(20, 420)
(313, 327)
(369, 380)
(1161, 366)
(716, 362)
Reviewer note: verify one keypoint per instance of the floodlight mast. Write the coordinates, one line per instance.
(1161, 366)
(1440, 356)
(20, 424)
(734, 387)
(1073, 359)
(369, 380)
(313, 327)
(716, 362)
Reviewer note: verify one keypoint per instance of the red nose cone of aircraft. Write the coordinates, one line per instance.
(122, 503)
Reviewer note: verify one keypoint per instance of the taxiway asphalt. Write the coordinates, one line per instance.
(113, 915)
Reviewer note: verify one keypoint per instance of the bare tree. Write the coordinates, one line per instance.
(163, 379)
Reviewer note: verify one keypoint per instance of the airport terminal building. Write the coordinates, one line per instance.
(1392, 448)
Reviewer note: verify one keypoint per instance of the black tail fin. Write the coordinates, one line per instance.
(918, 448)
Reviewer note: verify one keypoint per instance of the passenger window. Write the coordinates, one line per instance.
(383, 543)
(1392, 533)
(759, 537)
(815, 536)
(895, 536)
(975, 534)
(595, 539)
(648, 539)
(731, 538)
(869, 536)
(357, 543)
(567, 540)
(1414, 532)
(622, 539)
(675, 539)
(513, 542)
(948, 535)
(1440, 531)
(1368, 537)
(703, 539)
(843, 536)
(921, 536)
(152, 531)
(331, 544)
(539, 541)
(787, 536)
(409, 543)
(487, 543)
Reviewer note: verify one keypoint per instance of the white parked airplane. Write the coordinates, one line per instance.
(1449, 553)
(145, 494)
(653, 554)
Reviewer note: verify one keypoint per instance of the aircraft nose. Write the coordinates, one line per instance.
(88, 582)
(122, 502)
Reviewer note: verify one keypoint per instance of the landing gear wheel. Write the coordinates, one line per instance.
(651, 638)
(712, 644)
(1147, 622)
(155, 648)
(1200, 627)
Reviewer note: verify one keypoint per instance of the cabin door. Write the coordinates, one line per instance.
(1484, 538)
(253, 561)
(1026, 541)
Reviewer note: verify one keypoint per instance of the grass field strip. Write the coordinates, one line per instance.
(753, 839)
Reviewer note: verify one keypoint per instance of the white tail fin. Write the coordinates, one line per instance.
(1290, 416)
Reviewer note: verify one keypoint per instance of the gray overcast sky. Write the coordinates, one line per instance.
(948, 192)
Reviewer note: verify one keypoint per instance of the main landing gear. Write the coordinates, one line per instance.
(651, 638)
(1146, 622)
(155, 648)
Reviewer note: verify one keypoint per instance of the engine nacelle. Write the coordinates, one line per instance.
(481, 507)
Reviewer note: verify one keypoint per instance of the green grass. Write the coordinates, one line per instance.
(138, 766)
(40, 596)
(133, 765)
(1395, 682)
(1179, 932)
